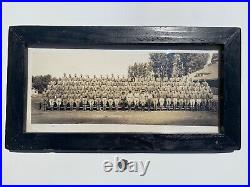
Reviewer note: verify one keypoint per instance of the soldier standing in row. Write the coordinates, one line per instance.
(116, 100)
(161, 99)
(104, 100)
(58, 101)
(111, 100)
(85, 100)
(142, 100)
(175, 99)
(98, 98)
(91, 99)
(168, 100)
(149, 100)
(130, 98)
(136, 99)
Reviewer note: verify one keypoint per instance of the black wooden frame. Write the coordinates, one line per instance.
(227, 39)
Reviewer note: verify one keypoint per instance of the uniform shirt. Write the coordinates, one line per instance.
(175, 95)
(149, 96)
(137, 95)
(130, 96)
(104, 95)
(110, 96)
(142, 96)
(91, 95)
(98, 95)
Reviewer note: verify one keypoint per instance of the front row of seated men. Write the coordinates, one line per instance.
(132, 99)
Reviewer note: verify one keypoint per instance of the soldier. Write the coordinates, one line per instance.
(198, 101)
(117, 99)
(51, 102)
(203, 100)
(192, 101)
(149, 100)
(130, 98)
(104, 100)
(85, 100)
(98, 98)
(142, 100)
(155, 99)
(186, 100)
(71, 101)
(77, 102)
(161, 99)
(58, 102)
(123, 99)
(181, 100)
(168, 99)
(91, 100)
(65, 101)
(174, 99)
(136, 99)
(210, 100)
(111, 100)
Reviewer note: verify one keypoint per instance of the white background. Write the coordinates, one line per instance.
(51, 168)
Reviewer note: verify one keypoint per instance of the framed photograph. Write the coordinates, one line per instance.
(123, 89)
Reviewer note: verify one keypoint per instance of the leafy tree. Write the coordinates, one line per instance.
(41, 82)
(159, 63)
(163, 64)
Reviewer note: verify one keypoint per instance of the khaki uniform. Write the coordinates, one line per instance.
(142, 99)
(110, 100)
(136, 99)
(91, 100)
(130, 98)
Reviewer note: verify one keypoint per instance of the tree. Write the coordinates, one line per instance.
(41, 82)
(170, 64)
(159, 64)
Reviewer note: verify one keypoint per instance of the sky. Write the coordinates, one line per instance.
(87, 61)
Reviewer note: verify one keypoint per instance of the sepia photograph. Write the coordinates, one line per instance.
(103, 90)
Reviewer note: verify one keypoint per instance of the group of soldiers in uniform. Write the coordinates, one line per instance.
(122, 93)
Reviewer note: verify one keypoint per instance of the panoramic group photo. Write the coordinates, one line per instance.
(124, 87)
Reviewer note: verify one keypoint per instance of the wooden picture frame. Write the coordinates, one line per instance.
(226, 39)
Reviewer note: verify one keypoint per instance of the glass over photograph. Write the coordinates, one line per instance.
(141, 91)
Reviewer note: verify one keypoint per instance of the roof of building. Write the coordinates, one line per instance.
(209, 72)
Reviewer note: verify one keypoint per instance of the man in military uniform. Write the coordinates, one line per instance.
(155, 99)
(203, 100)
(104, 99)
(58, 101)
(175, 99)
(98, 98)
(210, 100)
(142, 100)
(65, 100)
(186, 100)
(161, 99)
(85, 100)
(149, 100)
(136, 99)
(181, 99)
(111, 100)
(51, 102)
(168, 99)
(77, 101)
(130, 98)
(123, 100)
(91, 100)
(71, 101)
(117, 99)
(192, 101)
(198, 100)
